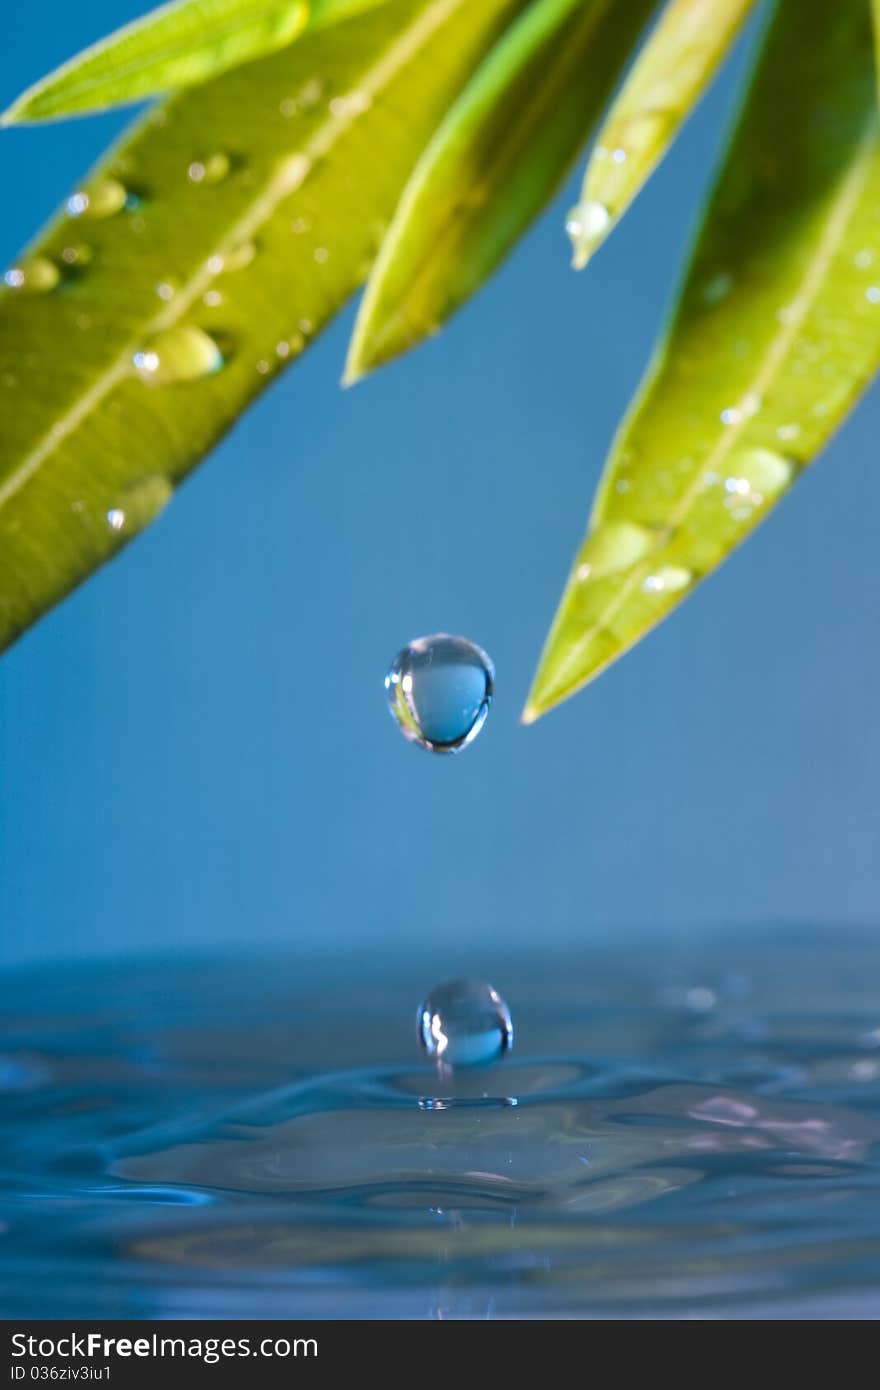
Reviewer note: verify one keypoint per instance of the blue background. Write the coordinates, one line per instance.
(194, 749)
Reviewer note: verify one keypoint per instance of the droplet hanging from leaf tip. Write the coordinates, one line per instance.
(587, 225)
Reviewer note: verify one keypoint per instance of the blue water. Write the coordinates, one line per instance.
(679, 1133)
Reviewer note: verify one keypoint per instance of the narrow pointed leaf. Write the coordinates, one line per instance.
(135, 332)
(177, 45)
(776, 334)
(498, 156)
(677, 62)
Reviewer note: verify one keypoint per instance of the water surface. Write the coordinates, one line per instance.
(681, 1131)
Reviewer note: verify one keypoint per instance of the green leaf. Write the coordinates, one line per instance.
(676, 64)
(776, 334)
(498, 156)
(119, 318)
(177, 45)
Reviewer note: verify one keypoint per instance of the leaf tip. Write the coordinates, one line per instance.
(352, 373)
(530, 714)
(12, 115)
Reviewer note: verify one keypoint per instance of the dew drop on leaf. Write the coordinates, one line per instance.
(761, 472)
(613, 546)
(183, 353)
(668, 579)
(212, 169)
(139, 504)
(33, 275)
(77, 255)
(439, 691)
(103, 198)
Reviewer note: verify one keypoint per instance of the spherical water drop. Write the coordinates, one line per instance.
(33, 275)
(139, 504)
(184, 353)
(668, 579)
(613, 546)
(439, 691)
(102, 198)
(212, 169)
(464, 1023)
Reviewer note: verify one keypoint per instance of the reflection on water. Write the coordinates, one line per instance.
(682, 1133)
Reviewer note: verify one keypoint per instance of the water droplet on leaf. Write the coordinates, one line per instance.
(613, 546)
(100, 199)
(33, 275)
(668, 579)
(183, 353)
(212, 169)
(464, 1023)
(439, 691)
(139, 504)
(760, 472)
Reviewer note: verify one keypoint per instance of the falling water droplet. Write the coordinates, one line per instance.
(586, 225)
(102, 198)
(668, 579)
(464, 1023)
(439, 691)
(613, 546)
(139, 504)
(33, 275)
(212, 169)
(183, 353)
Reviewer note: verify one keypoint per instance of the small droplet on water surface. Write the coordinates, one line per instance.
(439, 691)
(33, 275)
(183, 353)
(464, 1023)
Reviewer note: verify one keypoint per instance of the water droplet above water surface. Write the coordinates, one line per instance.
(464, 1023)
(439, 690)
